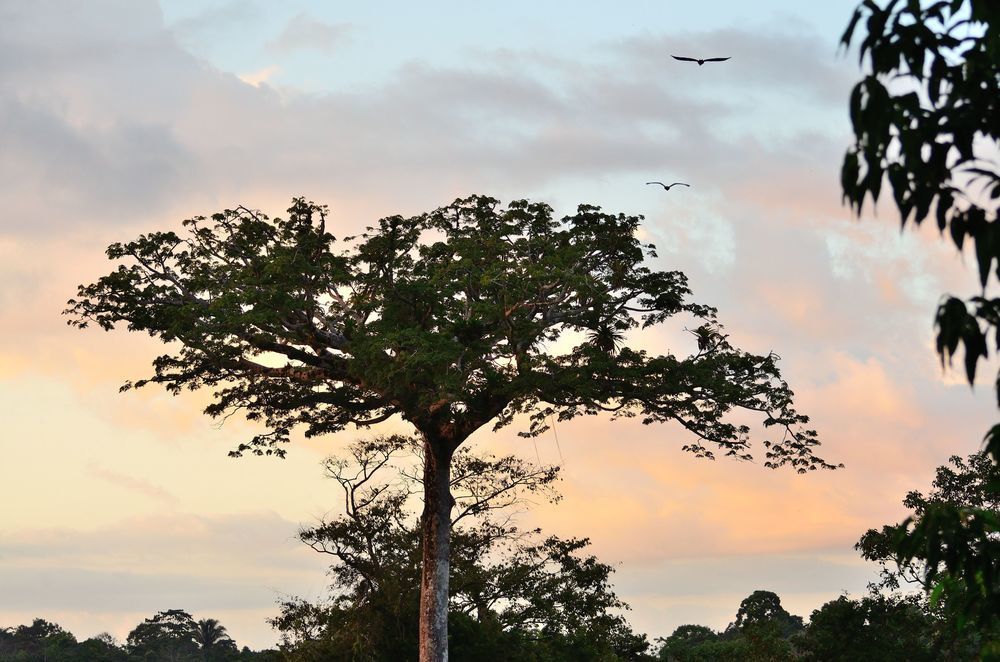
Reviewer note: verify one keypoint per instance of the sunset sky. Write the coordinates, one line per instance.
(119, 117)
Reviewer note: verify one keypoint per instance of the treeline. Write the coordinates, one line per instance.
(874, 628)
(168, 635)
(519, 595)
(914, 612)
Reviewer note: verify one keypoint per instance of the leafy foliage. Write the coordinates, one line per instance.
(876, 628)
(762, 607)
(685, 642)
(927, 117)
(213, 640)
(167, 635)
(446, 319)
(514, 594)
(956, 566)
(40, 640)
(964, 483)
(175, 635)
(760, 632)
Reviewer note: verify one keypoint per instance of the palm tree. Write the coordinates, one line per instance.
(211, 636)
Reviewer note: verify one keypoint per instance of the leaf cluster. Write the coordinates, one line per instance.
(927, 117)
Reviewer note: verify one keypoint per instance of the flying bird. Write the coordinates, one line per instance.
(667, 188)
(700, 61)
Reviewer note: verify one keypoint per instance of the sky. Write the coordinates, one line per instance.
(119, 117)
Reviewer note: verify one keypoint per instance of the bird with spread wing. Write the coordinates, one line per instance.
(700, 61)
(668, 187)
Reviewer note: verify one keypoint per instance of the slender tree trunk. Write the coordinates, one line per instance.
(435, 525)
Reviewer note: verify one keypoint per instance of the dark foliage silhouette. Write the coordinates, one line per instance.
(926, 116)
(514, 594)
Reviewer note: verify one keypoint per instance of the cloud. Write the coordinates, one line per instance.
(133, 484)
(228, 547)
(188, 132)
(261, 76)
(303, 32)
(122, 168)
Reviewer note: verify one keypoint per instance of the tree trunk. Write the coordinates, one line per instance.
(435, 528)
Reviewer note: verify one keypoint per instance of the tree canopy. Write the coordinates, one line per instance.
(174, 634)
(449, 319)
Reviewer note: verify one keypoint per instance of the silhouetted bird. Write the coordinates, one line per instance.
(667, 188)
(698, 60)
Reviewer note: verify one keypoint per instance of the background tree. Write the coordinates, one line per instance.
(451, 320)
(167, 635)
(41, 640)
(927, 117)
(514, 594)
(687, 643)
(102, 647)
(964, 485)
(760, 632)
(765, 626)
(762, 607)
(213, 640)
(875, 628)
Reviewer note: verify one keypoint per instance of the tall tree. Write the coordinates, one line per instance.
(687, 643)
(927, 117)
(450, 319)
